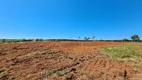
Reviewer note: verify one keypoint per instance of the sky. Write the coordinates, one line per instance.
(104, 19)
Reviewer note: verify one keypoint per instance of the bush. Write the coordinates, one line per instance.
(126, 40)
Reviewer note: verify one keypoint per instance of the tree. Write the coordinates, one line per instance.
(39, 40)
(86, 38)
(79, 37)
(23, 40)
(135, 37)
(93, 37)
(3, 40)
(125, 40)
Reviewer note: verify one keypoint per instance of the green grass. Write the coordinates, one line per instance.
(123, 51)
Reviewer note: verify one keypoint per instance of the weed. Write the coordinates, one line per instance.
(49, 73)
(61, 73)
(2, 70)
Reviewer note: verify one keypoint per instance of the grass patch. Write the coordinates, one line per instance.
(61, 73)
(123, 51)
(54, 73)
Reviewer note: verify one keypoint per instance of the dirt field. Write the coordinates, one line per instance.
(63, 61)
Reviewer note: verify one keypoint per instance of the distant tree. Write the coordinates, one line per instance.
(79, 37)
(93, 37)
(125, 40)
(86, 38)
(3, 40)
(23, 40)
(28, 40)
(39, 40)
(135, 37)
(101, 40)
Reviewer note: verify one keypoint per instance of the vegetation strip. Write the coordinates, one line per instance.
(124, 53)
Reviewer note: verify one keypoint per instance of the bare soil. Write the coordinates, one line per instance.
(63, 61)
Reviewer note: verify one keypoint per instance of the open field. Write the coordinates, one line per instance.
(67, 61)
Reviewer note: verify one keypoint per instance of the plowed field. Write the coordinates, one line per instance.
(63, 61)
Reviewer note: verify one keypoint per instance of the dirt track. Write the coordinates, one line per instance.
(63, 60)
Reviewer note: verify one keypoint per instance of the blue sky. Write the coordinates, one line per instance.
(105, 19)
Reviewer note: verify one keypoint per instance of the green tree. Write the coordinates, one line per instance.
(86, 38)
(39, 40)
(23, 40)
(93, 37)
(135, 37)
(3, 40)
(125, 40)
(79, 38)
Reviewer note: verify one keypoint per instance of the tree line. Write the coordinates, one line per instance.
(134, 38)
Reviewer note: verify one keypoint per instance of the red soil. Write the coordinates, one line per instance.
(79, 61)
